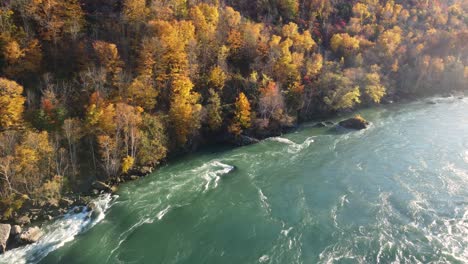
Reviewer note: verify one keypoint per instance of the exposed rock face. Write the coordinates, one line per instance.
(133, 177)
(356, 122)
(33, 211)
(146, 170)
(23, 220)
(91, 206)
(320, 124)
(15, 230)
(100, 186)
(4, 235)
(324, 124)
(47, 217)
(31, 235)
(64, 202)
(243, 140)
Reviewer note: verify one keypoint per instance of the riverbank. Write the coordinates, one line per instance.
(309, 196)
(33, 215)
(25, 226)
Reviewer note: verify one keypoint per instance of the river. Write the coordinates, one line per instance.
(393, 193)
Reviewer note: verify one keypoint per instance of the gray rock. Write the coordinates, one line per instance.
(66, 202)
(52, 203)
(243, 140)
(31, 235)
(100, 186)
(324, 124)
(35, 211)
(48, 217)
(15, 230)
(146, 170)
(320, 124)
(91, 206)
(4, 235)
(84, 200)
(133, 177)
(23, 220)
(356, 122)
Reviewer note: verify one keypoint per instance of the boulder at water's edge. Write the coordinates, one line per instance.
(356, 122)
(31, 235)
(101, 186)
(4, 235)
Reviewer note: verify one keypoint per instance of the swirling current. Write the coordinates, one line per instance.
(393, 193)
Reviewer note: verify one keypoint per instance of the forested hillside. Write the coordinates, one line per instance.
(90, 89)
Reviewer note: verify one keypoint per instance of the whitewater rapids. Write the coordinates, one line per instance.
(60, 232)
(393, 193)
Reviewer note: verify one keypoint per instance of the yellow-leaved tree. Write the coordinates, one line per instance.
(213, 109)
(344, 45)
(109, 59)
(242, 115)
(374, 89)
(11, 103)
(184, 112)
(134, 11)
(127, 164)
(389, 40)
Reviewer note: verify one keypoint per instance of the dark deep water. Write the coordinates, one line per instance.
(393, 193)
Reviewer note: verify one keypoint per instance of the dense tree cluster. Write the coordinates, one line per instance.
(93, 88)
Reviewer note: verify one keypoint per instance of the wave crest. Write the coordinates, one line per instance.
(293, 147)
(60, 232)
(211, 172)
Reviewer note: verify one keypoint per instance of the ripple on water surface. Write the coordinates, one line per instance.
(393, 193)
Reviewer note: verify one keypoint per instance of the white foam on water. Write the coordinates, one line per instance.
(339, 140)
(455, 182)
(264, 259)
(337, 254)
(163, 212)
(173, 192)
(211, 172)
(60, 232)
(343, 200)
(293, 147)
(282, 140)
(264, 200)
(465, 156)
(123, 236)
(450, 234)
(285, 232)
(287, 247)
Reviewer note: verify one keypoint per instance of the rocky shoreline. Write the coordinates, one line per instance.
(25, 226)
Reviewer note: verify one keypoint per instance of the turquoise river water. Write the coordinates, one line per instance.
(393, 193)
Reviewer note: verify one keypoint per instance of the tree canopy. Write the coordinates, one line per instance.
(92, 89)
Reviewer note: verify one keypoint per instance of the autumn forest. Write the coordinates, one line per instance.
(93, 89)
